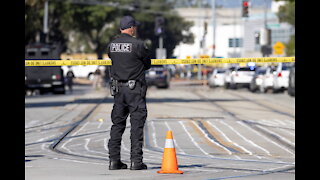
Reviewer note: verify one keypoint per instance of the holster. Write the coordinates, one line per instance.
(114, 87)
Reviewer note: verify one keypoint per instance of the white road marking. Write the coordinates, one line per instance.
(229, 140)
(193, 141)
(276, 134)
(246, 139)
(211, 140)
(259, 134)
(76, 132)
(154, 138)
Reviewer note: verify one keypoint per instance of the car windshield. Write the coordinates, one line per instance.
(245, 69)
(220, 71)
(261, 71)
(284, 67)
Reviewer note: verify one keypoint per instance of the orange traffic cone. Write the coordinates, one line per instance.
(169, 159)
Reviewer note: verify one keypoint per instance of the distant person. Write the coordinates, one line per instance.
(103, 76)
(97, 79)
(69, 77)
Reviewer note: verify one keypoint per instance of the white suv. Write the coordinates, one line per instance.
(267, 80)
(281, 78)
(242, 76)
(217, 78)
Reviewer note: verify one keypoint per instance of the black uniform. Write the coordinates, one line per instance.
(69, 78)
(130, 58)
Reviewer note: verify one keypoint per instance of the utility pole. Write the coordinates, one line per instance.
(159, 30)
(234, 33)
(200, 40)
(265, 39)
(213, 6)
(45, 22)
(265, 14)
(160, 42)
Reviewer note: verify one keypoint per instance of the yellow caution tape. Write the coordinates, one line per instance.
(160, 61)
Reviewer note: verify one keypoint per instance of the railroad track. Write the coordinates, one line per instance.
(251, 124)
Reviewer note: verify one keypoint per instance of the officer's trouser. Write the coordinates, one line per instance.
(127, 102)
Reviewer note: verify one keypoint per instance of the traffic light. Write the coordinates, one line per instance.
(245, 8)
(159, 26)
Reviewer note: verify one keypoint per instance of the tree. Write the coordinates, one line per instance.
(95, 23)
(287, 14)
(33, 21)
(176, 29)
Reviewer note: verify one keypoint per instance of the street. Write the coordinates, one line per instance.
(218, 134)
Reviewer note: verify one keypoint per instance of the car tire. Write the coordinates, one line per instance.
(274, 91)
(233, 86)
(166, 86)
(90, 76)
(291, 91)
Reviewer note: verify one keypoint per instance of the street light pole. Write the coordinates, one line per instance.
(265, 14)
(213, 6)
(45, 21)
(199, 65)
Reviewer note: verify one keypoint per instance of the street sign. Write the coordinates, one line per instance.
(278, 48)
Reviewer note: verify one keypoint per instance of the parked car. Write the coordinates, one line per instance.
(267, 80)
(241, 77)
(257, 79)
(227, 77)
(44, 78)
(216, 78)
(82, 71)
(281, 78)
(159, 76)
(291, 87)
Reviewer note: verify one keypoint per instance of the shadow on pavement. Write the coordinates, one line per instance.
(110, 100)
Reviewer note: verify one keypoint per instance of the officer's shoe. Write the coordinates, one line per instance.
(114, 165)
(138, 166)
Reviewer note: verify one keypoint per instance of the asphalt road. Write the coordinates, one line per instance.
(218, 134)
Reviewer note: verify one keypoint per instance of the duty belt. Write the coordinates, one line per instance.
(123, 83)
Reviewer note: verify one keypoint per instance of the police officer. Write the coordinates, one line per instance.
(130, 58)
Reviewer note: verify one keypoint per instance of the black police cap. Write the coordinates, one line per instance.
(127, 22)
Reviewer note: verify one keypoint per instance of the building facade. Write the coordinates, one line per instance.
(232, 35)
